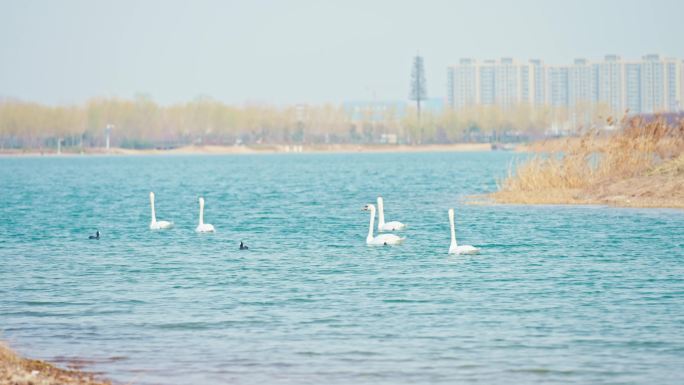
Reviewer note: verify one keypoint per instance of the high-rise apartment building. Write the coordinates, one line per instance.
(507, 83)
(462, 87)
(633, 87)
(652, 84)
(680, 102)
(580, 80)
(538, 87)
(558, 86)
(486, 82)
(503, 82)
(673, 85)
(610, 82)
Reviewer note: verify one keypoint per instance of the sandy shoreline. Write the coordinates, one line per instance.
(263, 149)
(16, 370)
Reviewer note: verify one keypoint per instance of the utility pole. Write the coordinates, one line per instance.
(418, 86)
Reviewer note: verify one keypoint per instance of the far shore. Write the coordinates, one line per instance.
(258, 149)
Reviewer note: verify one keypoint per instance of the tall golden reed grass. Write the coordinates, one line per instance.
(587, 169)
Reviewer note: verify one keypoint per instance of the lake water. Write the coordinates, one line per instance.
(559, 294)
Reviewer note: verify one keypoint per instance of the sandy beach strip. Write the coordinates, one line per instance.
(16, 370)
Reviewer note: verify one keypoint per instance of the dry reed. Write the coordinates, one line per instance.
(588, 169)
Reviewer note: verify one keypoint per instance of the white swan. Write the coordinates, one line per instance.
(154, 224)
(389, 226)
(454, 248)
(381, 239)
(203, 227)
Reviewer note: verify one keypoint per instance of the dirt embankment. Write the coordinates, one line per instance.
(15, 370)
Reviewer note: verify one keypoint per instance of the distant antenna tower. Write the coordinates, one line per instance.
(418, 83)
(108, 131)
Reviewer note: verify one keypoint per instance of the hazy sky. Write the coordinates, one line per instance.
(61, 52)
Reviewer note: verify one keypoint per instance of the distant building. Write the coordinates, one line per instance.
(503, 82)
(610, 82)
(680, 101)
(539, 82)
(389, 139)
(558, 86)
(486, 82)
(673, 84)
(463, 84)
(580, 83)
(650, 85)
(375, 111)
(633, 87)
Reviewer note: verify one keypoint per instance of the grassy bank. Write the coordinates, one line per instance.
(15, 370)
(640, 165)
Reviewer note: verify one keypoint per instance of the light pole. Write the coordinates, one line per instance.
(108, 130)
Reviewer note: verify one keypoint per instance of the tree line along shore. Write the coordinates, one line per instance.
(255, 149)
(144, 125)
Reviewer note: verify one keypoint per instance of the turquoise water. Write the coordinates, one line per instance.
(585, 295)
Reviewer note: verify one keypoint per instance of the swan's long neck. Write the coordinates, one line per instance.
(453, 229)
(201, 219)
(370, 227)
(381, 212)
(154, 216)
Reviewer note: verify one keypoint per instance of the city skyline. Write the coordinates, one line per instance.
(299, 51)
(651, 84)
